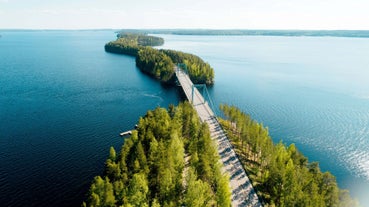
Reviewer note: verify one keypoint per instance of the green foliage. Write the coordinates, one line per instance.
(198, 193)
(155, 63)
(150, 168)
(130, 43)
(112, 154)
(142, 39)
(223, 195)
(138, 190)
(200, 72)
(281, 175)
(126, 45)
(150, 41)
(160, 63)
(101, 193)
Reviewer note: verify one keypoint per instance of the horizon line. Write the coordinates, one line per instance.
(212, 29)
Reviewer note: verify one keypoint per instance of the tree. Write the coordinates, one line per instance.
(112, 154)
(141, 158)
(138, 190)
(101, 193)
(223, 194)
(198, 193)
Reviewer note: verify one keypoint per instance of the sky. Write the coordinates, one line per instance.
(173, 14)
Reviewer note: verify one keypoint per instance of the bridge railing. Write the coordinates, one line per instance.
(182, 68)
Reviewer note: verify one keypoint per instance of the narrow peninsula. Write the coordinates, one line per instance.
(160, 63)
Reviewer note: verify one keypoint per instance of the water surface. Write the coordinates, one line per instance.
(312, 91)
(63, 102)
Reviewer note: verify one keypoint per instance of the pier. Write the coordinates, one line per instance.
(125, 133)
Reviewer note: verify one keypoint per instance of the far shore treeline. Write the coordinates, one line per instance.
(257, 32)
(160, 63)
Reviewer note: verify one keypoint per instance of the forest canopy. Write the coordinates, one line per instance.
(170, 160)
(160, 63)
(281, 175)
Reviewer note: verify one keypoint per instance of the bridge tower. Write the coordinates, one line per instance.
(201, 87)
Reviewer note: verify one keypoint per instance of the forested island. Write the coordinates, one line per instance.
(170, 160)
(160, 63)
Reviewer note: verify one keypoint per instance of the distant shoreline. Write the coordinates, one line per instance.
(287, 33)
(224, 32)
(54, 30)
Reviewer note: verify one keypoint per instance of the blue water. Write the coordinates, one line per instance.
(63, 102)
(312, 91)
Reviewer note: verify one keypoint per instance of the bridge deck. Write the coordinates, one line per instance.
(243, 193)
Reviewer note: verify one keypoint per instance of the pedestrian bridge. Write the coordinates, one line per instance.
(243, 193)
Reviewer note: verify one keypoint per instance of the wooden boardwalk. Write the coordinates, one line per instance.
(243, 193)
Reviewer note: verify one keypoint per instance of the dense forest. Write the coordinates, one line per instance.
(142, 39)
(170, 160)
(199, 71)
(130, 43)
(160, 63)
(155, 63)
(281, 175)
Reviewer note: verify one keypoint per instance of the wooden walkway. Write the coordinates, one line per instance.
(243, 193)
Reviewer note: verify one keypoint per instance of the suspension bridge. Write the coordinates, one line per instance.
(243, 193)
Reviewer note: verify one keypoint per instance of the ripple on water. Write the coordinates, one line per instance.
(339, 132)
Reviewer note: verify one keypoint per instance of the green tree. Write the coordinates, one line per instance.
(138, 190)
(198, 193)
(223, 194)
(101, 193)
(112, 154)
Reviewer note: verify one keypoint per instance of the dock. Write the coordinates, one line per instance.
(126, 133)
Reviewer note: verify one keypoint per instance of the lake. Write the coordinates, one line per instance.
(311, 91)
(63, 102)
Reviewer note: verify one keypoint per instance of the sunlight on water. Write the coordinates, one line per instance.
(312, 91)
(359, 160)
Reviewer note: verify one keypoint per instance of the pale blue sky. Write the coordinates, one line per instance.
(213, 14)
